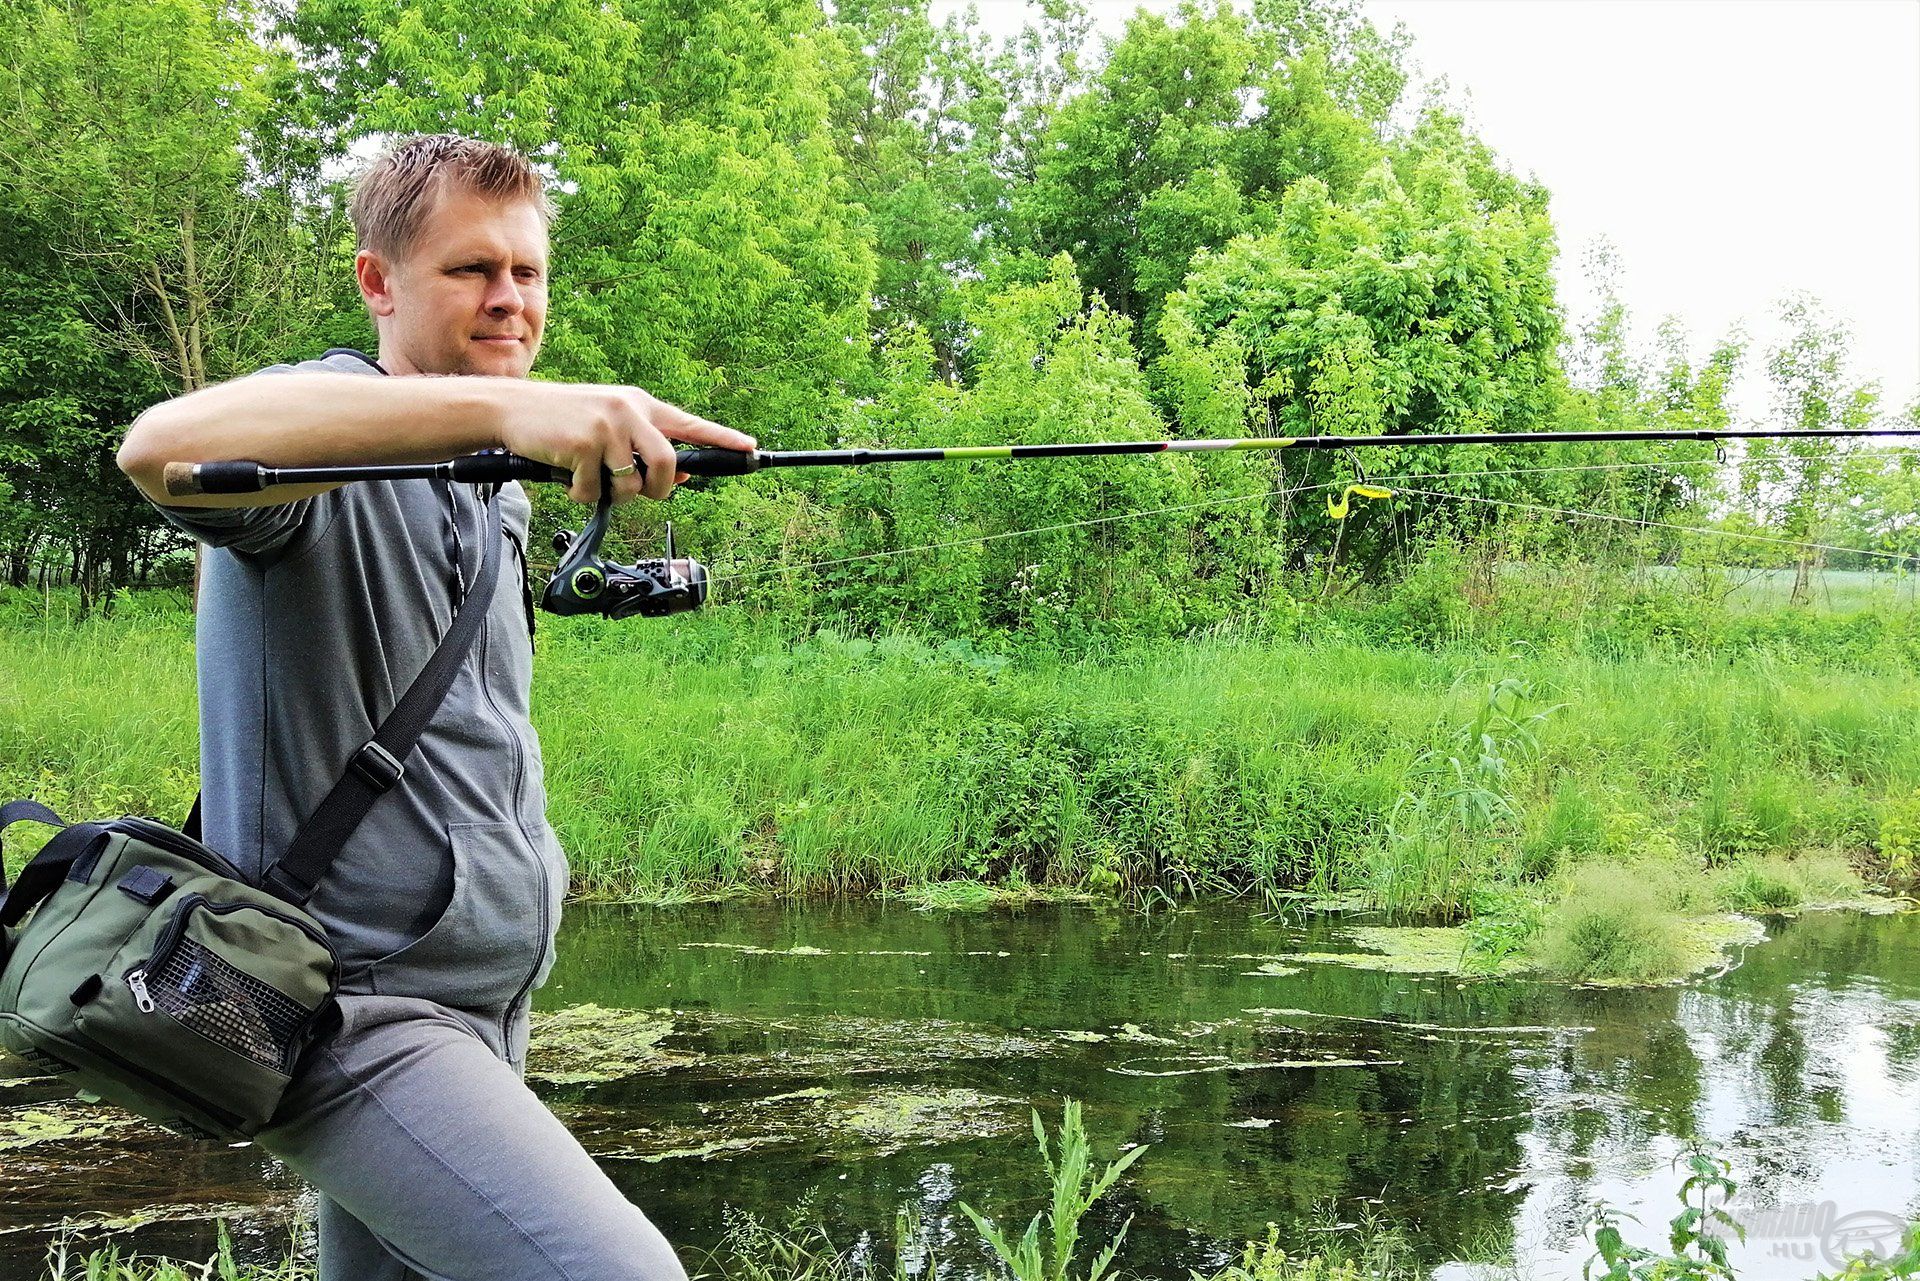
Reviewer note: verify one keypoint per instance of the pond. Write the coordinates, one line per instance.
(854, 1059)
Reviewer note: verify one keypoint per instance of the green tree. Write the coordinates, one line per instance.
(1612, 386)
(126, 134)
(1195, 126)
(1366, 70)
(1412, 309)
(934, 125)
(66, 393)
(1790, 483)
(152, 250)
(903, 152)
(1141, 545)
(939, 127)
(1165, 106)
(1880, 511)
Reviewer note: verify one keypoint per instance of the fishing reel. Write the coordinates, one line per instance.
(587, 583)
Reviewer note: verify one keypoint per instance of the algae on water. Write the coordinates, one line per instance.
(896, 1118)
(1414, 949)
(588, 1044)
(1707, 942)
(59, 1123)
(1272, 970)
(748, 949)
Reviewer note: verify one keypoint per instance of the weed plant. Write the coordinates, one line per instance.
(67, 1263)
(799, 1250)
(1611, 923)
(1461, 804)
(1049, 1255)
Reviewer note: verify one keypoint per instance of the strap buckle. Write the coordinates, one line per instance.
(283, 886)
(380, 768)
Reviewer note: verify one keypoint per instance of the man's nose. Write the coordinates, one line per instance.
(503, 296)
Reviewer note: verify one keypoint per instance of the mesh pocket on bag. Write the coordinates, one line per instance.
(229, 1008)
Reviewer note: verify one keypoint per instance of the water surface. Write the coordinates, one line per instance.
(857, 1059)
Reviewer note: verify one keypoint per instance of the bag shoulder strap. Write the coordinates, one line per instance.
(49, 867)
(379, 763)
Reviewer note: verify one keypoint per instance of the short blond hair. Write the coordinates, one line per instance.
(392, 198)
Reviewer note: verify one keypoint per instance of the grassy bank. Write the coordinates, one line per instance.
(1753, 761)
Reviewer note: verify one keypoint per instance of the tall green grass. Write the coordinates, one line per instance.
(723, 753)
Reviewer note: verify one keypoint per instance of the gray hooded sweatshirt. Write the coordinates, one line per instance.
(314, 618)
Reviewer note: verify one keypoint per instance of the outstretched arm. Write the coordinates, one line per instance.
(316, 419)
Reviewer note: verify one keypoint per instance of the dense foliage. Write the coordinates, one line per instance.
(1433, 747)
(851, 225)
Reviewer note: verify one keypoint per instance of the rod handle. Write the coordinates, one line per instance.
(718, 462)
(494, 466)
(238, 477)
(498, 467)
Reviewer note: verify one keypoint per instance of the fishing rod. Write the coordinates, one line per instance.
(586, 583)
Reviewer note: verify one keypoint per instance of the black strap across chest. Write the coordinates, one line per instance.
(380, 762)
(371, 773)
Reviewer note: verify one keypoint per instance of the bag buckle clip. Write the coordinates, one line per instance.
(380, 768)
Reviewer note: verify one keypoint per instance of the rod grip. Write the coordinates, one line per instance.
(718, 462)
(480, 469)
(183, 480)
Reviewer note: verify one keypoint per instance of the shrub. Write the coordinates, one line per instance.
(1762, 885)
(1900, 835)
(1612, 924)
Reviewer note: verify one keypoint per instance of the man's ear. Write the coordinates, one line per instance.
(376, 286)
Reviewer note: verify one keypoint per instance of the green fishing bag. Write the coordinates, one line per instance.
(153, 974)
(147, 970)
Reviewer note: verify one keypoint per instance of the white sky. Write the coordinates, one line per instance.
(1732, 150)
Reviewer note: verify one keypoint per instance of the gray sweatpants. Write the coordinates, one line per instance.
(434, 1159)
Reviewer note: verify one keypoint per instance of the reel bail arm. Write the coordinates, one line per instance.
(587, 583)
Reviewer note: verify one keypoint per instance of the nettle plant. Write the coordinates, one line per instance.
(1696, 1237)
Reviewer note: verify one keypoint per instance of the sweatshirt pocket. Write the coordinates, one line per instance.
(482, 951)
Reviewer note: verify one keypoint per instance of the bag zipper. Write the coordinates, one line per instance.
(136, 978)
(179, 843)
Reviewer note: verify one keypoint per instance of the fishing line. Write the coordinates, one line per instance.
(750, 575)
(1013, 533)
(1659, 524)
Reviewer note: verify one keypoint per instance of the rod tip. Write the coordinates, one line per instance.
(182, 480)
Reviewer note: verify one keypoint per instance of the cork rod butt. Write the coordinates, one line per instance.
(182, 480)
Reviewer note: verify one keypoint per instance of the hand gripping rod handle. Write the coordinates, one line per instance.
(245, 477)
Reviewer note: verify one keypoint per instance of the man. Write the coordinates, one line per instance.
(318, 609)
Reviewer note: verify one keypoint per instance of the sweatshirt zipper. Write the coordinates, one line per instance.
(485, 641)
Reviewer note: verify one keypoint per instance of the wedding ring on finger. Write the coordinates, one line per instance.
(622, 471)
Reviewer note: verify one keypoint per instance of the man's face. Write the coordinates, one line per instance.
(469, 296)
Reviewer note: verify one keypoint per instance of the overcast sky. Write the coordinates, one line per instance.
(1732, 150)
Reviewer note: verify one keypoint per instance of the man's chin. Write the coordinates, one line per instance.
(502, 361)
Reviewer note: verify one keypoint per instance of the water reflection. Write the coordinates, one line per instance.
(857, 1059)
